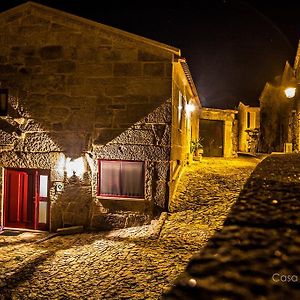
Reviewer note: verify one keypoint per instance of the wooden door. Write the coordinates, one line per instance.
(19, 206)
(212, 132)
(26, 201)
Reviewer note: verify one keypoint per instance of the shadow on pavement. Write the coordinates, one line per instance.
(256, 255)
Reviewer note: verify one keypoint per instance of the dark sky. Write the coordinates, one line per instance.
(232, 46)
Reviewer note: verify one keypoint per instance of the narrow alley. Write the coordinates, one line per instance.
(133, 263)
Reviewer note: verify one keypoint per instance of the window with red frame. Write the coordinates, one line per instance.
(121, 178)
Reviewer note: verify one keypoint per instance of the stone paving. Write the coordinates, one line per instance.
(256, 255)
(17, 252)
(134, 263)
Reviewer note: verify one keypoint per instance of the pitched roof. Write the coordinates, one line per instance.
(94, 24)
(190, 80)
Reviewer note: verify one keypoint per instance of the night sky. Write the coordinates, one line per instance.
(232, 47)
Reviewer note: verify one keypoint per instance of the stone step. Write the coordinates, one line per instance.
(70, 230)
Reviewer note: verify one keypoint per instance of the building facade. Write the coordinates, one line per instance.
(279, 115)
(96, 122)
(249, 126)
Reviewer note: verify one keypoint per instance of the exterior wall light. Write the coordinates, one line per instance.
(75, 167)
(60, 165)
(290, 92)
(3, 102)
(189, 108)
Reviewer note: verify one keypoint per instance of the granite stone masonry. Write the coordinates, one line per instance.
(256, 254)
(280, 111)
(79, 93)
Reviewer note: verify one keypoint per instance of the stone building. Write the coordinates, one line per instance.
(279, 115)
(219, 132)
(249, 123)
(95, 123)
(227, 132)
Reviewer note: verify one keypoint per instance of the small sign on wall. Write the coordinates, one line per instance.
(59, 186)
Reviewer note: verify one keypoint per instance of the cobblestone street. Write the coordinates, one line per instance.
(132, 263)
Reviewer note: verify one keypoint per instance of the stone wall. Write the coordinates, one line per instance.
(274, 119)
(258, 243)
(77, 89)
(276, 112)
(147, 140)
(249, 124)
(184, 127)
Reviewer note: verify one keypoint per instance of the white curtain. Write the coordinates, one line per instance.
(122, 178)
(110, 178)
(132, 179)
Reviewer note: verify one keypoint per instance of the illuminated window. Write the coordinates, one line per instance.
(43, 186)
(121, 179)
(180, 109)
(43, 203)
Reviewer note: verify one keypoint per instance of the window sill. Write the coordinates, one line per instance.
(120, 198)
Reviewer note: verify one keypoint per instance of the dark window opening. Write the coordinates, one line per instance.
(3, 102)
(248, 119)
(121, 179)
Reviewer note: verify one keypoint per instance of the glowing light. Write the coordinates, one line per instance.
(192, 282)
(60, 165)
(290, 92)
(189, 108)
(75, 167)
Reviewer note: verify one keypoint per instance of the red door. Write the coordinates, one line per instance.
(22, 201)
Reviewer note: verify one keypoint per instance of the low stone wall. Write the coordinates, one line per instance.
(257, 253)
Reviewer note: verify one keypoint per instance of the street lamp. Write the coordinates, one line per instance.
(290, 92)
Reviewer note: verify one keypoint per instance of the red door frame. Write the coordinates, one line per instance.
(34, 173)
(38, 173)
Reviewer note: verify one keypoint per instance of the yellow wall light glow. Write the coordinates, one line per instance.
(290, 92)
(60, 165)
(75, 167)
(189, 108)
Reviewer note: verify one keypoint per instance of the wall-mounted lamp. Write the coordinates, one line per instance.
(189, 108)
(3, 102)
(75, 167)
(290, 92)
